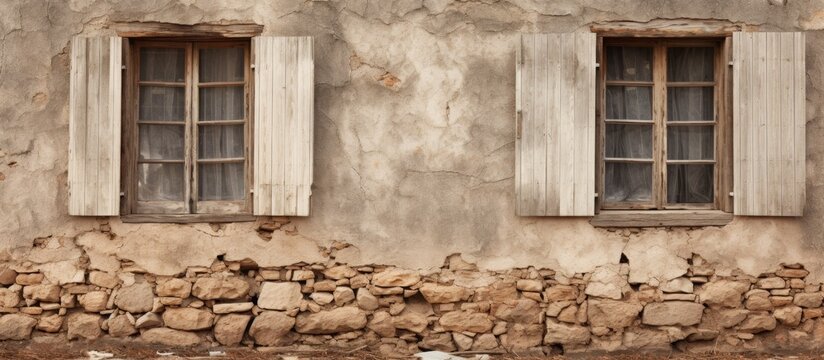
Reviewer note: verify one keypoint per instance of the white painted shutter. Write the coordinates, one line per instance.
(284, 120)
(94, 126)
(555, 126)
(769, 123)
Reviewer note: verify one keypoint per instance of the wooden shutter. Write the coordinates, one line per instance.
(555, 125)
(94, 126)
(283, 128)
(769, 124)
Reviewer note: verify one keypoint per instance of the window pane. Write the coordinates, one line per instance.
(162, 64)
(162, 103)
(690, 64)
(629, 141)
(629, 102)
(690, 142)
(161, 142)
(220, 142)
(629, 63)
(221, 103)
(628, 182)
(221, 64)
(160, 182)
(220, 181)
(689, 183)
(690, 103)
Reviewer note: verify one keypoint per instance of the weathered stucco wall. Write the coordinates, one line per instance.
(414, 143)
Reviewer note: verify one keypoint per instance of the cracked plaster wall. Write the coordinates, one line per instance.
(414, 142)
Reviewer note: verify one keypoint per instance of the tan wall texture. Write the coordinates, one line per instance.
(406, 172)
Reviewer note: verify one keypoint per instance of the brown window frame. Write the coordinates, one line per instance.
(722, 173)
(192, 209)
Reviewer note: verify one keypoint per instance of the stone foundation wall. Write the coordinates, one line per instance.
(395, 310)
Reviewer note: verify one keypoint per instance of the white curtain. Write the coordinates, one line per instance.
(632, 181)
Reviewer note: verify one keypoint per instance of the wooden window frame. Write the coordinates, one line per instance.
(192, 210)
(711, 213)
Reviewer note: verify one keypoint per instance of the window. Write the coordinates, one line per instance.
(191, 111)
(661, 118)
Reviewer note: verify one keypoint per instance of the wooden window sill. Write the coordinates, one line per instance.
(656, 218)
(187, 218)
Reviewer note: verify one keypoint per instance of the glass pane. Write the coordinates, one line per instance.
(629, 102)
(629, 141)
(161, 142)
(160, 182)
(689, 183)
(162, 103)
(690, 142)
(628, 182)
(220, 142)
(629, 63)
(690, 103)
(221, 103)
(163, 64)
(690, 64)
(221, 64)
(220, 181)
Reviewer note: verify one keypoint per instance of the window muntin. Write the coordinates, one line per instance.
(660, 101)
(192, 127)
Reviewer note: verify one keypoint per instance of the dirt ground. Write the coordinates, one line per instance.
(80, 350)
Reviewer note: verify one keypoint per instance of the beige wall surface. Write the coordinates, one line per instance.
(414, 142)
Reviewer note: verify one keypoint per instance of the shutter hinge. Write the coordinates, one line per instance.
(122, 67)
(252, 66)
(518, 125)
(597, 65)
(251, 191)
(731, 63)
(122, 194)
(596, 195)
(732, 194)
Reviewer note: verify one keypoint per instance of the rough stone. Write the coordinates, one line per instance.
(808, 300)
(410, 320)
(45, 292)
(322, 298)
(29, 279)
(331, 321)
(522, 311)
(561, 293)
(771, 283)
(50, 323)
(728, 318)
(85, 326)
(121, 326)
(16, 327)
(485, 342)
(792, 273)
(756, 323)
(188, 318)
(443, 294)
(677, 285)
(103, 279)
(523, 336)
(170, 337)
(366, 300)
(339, 272)
(612, 314)
(270, 326)
(232, 307)
(607, 282)
(790, 315)
(7, 275)
(465, 321)
(723, 293)
(148, 320)
(530, 285)
(396, 277)
(382, 324)
(94, 301)
(438, 342)
(667, 313)
(220, 288)
(758, 300)
(343, 295)
(229, 329)
(174, 288)
(280, 296)
(563, 334)
(137, 298)
(463, 342)
(8, 298)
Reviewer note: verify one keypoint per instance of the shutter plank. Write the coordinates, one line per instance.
(284, 122)
(94, 126)
(555, 158)
(769, 123)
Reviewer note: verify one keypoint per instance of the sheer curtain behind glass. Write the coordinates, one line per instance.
(220, 177)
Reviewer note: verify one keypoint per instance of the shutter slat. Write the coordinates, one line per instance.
(284, 120)
(94, 126)
(555, 158)
(769, 124)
